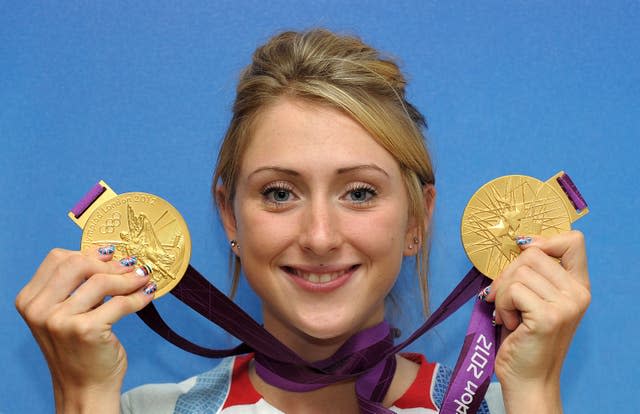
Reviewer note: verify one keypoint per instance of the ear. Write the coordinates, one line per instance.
(415, 237)
(225, 209)
(429, 197)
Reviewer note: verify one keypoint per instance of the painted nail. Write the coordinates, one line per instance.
(493, 318)
(129, 261)
(144, 270)
(150, 288)
(106, 250)
(523, 240)
(484, 293)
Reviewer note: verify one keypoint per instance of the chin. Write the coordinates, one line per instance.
(324, 326)
(331, 329)
(326, 333)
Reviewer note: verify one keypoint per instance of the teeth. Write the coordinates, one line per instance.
(320, 278)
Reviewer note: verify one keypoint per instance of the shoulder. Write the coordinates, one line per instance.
(202, 393)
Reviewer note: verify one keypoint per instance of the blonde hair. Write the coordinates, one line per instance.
(344, 73)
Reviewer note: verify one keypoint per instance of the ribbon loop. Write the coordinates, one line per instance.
(368, 356)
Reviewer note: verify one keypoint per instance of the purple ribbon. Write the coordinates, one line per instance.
(572, 192)
(368, 356)
(88, 199)
(473, 371)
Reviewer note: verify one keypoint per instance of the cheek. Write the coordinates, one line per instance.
(381, 233)
(264, 232)
(382, 242)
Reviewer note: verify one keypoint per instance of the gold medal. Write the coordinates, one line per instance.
(510, 206)
(141, 225)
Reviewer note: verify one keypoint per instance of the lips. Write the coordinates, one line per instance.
(320, 277)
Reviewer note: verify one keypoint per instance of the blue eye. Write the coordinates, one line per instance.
(361, 194)
(280, 195)
(277, 193)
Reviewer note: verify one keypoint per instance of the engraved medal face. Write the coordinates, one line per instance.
(503, 209)
(145, 226)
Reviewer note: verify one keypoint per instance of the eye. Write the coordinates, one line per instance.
(277, 193)
(280, 195)
(361, 193)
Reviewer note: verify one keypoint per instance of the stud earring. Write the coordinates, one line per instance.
(234, 244)
(416, 240)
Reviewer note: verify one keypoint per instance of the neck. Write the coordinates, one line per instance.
(360, 367)
(334, 398)
(309, 348)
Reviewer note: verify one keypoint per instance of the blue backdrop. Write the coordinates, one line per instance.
(139, 94)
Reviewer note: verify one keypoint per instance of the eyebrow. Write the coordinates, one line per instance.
(361, 167)
(344, 170)
(285, 171)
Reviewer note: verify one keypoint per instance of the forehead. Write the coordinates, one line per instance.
(293, 131)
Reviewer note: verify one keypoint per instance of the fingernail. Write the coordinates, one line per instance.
(493, 318)
(129, 261)
(150, 288)
(144, 270)
(106, 250)
(484, 293)
(523, 240)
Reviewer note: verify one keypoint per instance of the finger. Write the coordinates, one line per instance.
(118, 306)
(569, 247)
(532, 261)
(48, 268)
(103, 252)
(536, 282)
(41, 276)
(95, 289)
(70, 274)
(546, 266)
(106, 253)
(516, 300)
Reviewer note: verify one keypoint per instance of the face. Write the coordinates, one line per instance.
(321, 217)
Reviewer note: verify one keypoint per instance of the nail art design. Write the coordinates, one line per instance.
(129, 261)
(144, 270)
(106, 250)
(484, 293)
(493, 318)
(150, 288)
(523, 240)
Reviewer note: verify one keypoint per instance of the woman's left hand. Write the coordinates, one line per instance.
(539, 302)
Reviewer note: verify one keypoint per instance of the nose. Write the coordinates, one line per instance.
(320, 228)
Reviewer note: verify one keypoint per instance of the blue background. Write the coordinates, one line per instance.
(139, 94)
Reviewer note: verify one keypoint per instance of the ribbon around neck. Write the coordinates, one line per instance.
(368, 356)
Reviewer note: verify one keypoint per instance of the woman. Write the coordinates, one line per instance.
(324, 185)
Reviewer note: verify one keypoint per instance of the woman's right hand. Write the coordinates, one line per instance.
(65, 308)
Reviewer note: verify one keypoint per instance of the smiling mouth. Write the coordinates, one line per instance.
(318, 278)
